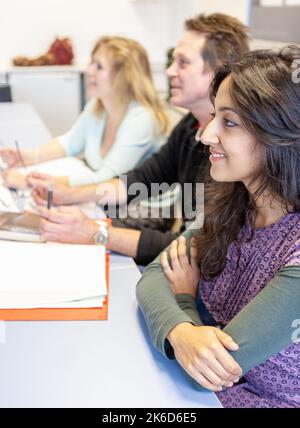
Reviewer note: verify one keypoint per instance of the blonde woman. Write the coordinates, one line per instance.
(123, 122)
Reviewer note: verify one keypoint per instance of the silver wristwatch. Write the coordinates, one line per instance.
(101, 237)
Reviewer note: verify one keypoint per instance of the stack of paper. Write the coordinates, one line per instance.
(9, 200)
(52, 276)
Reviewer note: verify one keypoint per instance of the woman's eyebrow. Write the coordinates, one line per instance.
(222, 109)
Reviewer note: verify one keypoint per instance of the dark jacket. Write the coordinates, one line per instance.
(180, 160)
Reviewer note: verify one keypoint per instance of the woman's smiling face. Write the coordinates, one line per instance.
(235, 154)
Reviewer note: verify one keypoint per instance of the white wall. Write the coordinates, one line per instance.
(280, 2)
(27, 27)
(237, 8)
(189, 8)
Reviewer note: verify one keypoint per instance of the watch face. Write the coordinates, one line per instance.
(101, 237)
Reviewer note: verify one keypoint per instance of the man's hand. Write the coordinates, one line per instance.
(40, 184)
(202, 352)
(68, 225)
(183, 275)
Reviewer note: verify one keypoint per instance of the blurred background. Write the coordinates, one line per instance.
(29, 27)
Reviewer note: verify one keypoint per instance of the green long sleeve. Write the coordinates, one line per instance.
(158, 303)
(262, 329)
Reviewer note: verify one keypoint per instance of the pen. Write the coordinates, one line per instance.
(20, 155)
(49, 197)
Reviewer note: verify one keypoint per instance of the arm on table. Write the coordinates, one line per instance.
(16, 179)
(52, 150)
(256, 344)
(110, 192)
(71, 225)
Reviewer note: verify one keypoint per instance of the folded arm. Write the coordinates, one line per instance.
(262, 329)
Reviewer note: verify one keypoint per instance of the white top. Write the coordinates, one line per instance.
(136, 139)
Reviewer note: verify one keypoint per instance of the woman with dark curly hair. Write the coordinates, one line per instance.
(243, 271)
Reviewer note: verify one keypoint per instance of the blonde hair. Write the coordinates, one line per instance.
(131, 76)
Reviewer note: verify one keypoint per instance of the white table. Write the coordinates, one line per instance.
(91, 364)
(19, 121)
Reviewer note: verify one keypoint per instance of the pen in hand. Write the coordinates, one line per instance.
(20, 155)
(49, 196)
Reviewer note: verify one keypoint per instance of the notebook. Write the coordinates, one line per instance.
(23, 226)
(53, 282)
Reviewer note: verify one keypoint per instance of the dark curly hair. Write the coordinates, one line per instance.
(267, 99)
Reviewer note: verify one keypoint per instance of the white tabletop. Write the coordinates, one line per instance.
(19, 121)
(93, 364)
(89, 364)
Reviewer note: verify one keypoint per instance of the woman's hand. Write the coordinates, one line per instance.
(10, 157)
(68, 225)
(183, 274)
(14, 159)
(40, 184)
(14, 179)
(202, 353)
(62, 179)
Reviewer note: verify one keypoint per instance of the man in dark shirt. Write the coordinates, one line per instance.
(182, 160)
(207, 43)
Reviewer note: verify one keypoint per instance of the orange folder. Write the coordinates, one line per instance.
(60, 314)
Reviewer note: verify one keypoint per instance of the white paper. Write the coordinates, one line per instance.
(8, 200)
(96, 302)
(34, 275)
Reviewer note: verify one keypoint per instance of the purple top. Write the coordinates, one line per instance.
(252, 261)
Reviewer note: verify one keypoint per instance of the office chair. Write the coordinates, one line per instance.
(5, 93)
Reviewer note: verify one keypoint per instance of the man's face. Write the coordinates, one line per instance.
(188, 79)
